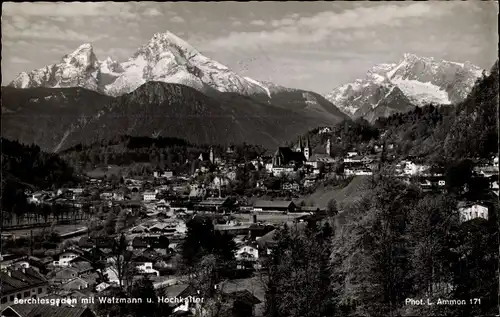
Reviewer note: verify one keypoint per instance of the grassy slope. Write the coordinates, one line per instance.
(352, 192)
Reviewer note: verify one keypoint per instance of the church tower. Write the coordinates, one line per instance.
(328, 147)
(211, 155)
(307, 150)
(299, 147)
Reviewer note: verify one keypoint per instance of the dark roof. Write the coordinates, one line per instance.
(205, 156)
(75, 251)
(272, 203)
(176, 290)
(268, 238)
(244, 296)
(86, 242)
(140, 242)
(288, 155)
(188, 291)
(48, 311)
(312, 208)
(214, 202)
(81, 267)
(20, 279)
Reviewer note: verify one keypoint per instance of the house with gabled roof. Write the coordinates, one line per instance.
(76, 283)
(32, 310)
(274, 205)
(20, 284)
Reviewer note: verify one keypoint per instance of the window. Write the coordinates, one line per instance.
(11, 298)
(19, 296)
(40, 290)
(4, 299)
(27, 294)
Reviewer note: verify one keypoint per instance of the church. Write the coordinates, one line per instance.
(285, 156)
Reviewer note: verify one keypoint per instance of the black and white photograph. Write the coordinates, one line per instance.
(249, 159)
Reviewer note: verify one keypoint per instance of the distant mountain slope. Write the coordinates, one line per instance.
(46, 116)
(306, 102)
(390, 88)
(58, 118)
(179, 111)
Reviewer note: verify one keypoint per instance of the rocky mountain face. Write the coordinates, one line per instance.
(414, 81)
(165, 58)
(78, 69)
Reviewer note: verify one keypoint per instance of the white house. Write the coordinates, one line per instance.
(64, 258)
(324, 130)
(247, 252)
(231, 175)
(166, 174)
(316, 159)
(282, 170)
(112, 275)
(220, 181)
(411, 168)
(269, 167)
(101, 287)
(149, 196)
(472, 212)
(147, 268)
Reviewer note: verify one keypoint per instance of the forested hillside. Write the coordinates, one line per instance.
(27, 167)
(161, 153)
(395, 243)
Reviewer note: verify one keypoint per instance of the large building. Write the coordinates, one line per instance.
(21, 284)
(274, 206)
(44, 310)
(469, 212)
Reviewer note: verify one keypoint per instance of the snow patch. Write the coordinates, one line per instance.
(389, 92)
(422, 93)
(253, 81)
(394, 70)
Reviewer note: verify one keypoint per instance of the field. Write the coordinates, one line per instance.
(357, 188)
(100, 172)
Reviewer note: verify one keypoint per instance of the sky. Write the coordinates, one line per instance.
(315, 46)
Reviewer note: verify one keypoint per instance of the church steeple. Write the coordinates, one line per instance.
(307, 149)
(299, 147)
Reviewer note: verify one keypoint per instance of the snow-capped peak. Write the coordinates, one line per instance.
(84, 53)
(169, 38)
(168, 58)
(109, 66)
(422, 80)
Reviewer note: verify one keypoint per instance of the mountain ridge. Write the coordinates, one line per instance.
(417, 80)
(55, 118)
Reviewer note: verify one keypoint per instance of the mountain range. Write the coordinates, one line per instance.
(399, 87)
(244, 108)
(168, 88)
